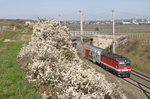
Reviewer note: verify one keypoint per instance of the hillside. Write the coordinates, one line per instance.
(138, 51)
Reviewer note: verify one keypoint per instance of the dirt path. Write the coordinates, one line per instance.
(25, 38)
(22, 38)
(131, 91)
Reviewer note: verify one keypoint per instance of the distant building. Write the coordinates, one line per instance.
(97, 23)
(29, 23)
(136, 23)
(147, 19)
(109, 22)
(133, 20)
(126, 22)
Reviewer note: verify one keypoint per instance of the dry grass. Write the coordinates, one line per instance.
(139, 53)
(25, 38)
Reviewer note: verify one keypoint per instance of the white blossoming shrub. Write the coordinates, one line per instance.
(50, 59)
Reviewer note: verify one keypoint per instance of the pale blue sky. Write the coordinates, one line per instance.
(69, 9)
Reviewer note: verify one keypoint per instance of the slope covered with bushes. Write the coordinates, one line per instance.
(51, 60)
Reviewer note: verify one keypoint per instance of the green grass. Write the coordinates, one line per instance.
(12, 83)
(14, 35)
(10, 35)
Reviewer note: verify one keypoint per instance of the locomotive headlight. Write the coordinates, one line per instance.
(124, 70)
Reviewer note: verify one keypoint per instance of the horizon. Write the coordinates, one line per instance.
(74, 20)
(69, 10)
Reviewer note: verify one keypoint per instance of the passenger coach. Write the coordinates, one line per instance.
(117, 64)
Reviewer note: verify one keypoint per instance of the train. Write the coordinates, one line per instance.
(116, 64)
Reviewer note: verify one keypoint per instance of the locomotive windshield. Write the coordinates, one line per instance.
(124, 64)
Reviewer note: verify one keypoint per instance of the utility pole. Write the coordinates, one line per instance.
(113, 37)
(81, 33)
(59, 18)
(81, 26)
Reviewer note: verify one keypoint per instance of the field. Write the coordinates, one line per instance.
(108, 28)
(10, 22)
(12, 78)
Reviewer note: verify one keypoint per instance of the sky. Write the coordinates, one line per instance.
(69, 9)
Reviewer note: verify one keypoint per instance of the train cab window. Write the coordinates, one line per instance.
(128, 64)
(92, 52)
(122, 64)
(97, 54)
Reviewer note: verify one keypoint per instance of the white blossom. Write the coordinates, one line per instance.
(50, 58)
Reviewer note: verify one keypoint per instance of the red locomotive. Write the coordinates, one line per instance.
(117, 64)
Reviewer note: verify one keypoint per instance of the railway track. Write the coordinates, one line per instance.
(140, 81)
(137, 79)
